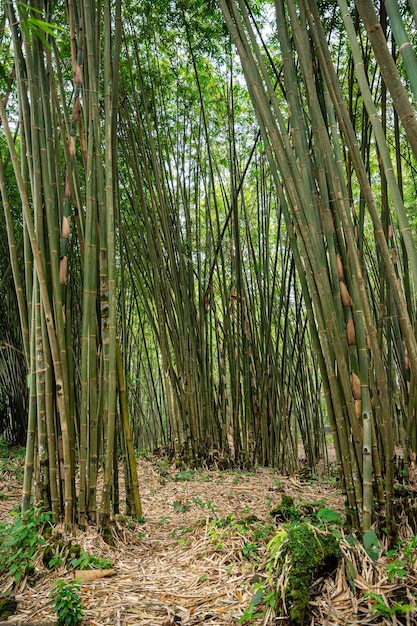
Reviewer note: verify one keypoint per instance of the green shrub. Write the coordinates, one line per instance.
(67, 603)
(21, 542)
(90, 561)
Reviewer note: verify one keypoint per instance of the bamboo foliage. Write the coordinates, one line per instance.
(229, 282)
(59, 428)
(308, 163)
(388, 68)
(230, 347)
(231, 359)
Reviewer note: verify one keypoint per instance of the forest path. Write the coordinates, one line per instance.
(193, 560)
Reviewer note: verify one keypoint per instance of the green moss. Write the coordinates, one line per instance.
(305, 552)
(60, 552)
(290, 511)
(8, 607)
(286, 511)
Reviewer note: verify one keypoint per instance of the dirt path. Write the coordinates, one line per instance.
(193, 560)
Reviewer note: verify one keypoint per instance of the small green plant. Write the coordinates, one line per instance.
(216, 535)
(163, 466)
(409, 548)
(286, 511)
(402, 559)
(263, 532)
(185, 475)
(249, 552)
(328, 516)
(21, 541)
(56, 561)
(222, 522)
(371, 544)
(182, 542)
(406, 551)
(381, 609)
(67, 603)
(205, 504)
(252, 612)
(181, 530)
(396, 569)
(181, 507)
(87, 561)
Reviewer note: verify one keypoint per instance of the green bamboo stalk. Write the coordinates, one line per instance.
(404, 45)
(93, 409)
(263, 110)
(88, 341)
(51, 434)
(32, 416)
(130, 453)
(396, 195)
(109, 333)
(42, 481)
(43, 286)
(390, 74)
(48, 157)
(14, 263)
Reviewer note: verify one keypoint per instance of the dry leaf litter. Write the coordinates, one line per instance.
(179, 568)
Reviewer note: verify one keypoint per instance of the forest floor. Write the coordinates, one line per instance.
(196, 557)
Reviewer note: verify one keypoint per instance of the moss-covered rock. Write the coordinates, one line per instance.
(8, 606)
(297, 555)
(289, 511)
(286, 511)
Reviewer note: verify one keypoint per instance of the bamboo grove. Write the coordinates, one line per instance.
(208, 243)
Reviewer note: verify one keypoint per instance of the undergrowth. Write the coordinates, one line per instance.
(21, 541)
(67, 603)
(305, 546)
(11, 460)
